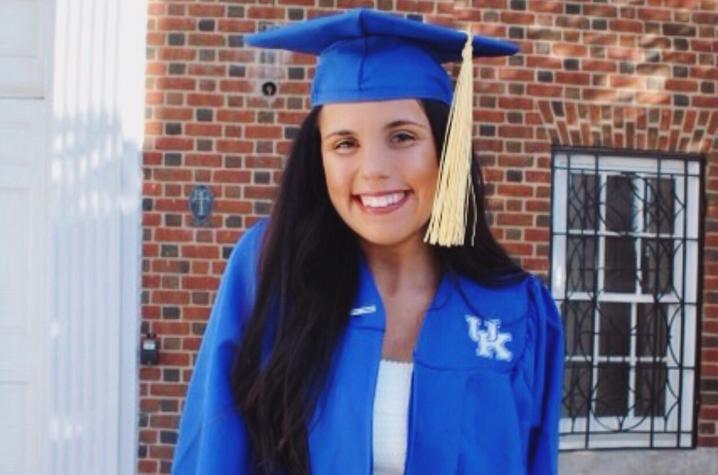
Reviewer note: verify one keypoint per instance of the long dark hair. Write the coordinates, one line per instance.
(308, 276)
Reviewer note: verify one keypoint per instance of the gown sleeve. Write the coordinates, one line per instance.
(212, 436)
(547, 383)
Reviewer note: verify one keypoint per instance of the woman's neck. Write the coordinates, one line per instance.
(409, 266)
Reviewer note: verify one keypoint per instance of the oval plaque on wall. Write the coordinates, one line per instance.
(200, 204)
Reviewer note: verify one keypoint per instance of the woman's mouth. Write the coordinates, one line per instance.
(382, 203)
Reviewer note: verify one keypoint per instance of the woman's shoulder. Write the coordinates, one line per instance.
(525, 296)
(249, 243)
(240, 273)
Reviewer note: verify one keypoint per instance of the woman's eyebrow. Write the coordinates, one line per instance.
(341, 133)
(400, 122)
(390, 125)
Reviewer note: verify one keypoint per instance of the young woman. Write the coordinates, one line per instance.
(340, 341)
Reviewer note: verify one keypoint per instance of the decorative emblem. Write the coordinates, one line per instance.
(490, 342)
(200, 204)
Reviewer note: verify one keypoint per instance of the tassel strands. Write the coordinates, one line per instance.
(449, 214)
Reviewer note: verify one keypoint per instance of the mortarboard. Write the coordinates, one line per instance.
(367, 55)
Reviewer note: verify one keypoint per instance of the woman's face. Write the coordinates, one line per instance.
(381, 167)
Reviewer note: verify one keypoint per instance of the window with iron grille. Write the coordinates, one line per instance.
(625, 270)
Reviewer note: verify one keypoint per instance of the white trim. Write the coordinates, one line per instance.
(132, 34)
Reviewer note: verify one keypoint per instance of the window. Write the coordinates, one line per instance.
(625, 272)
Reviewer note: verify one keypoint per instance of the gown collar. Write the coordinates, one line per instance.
(368, 309)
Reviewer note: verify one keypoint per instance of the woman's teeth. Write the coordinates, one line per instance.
(381, 201)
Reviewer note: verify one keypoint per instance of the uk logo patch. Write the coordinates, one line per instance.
(490, 342)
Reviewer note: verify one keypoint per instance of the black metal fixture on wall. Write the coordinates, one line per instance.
(150, 351)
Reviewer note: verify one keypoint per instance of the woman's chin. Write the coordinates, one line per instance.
(389, 237)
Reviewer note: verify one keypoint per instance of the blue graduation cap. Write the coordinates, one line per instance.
(367, 55)
(371, 55)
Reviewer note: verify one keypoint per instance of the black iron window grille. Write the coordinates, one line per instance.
(625, 270)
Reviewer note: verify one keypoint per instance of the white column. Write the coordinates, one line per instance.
(96, 133)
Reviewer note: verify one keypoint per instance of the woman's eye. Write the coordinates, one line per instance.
(402, 137)
(344, 145)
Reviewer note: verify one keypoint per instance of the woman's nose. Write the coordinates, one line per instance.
(373, 161)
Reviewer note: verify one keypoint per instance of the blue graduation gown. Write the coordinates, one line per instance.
(485, 391)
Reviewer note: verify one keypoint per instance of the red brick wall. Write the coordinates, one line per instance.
(639, 75)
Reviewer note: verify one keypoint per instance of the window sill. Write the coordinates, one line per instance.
(700, 461)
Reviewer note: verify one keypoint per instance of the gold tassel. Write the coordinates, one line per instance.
(447, 225)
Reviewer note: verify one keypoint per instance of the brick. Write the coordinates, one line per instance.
(705, 101)
(236, 26)
(224, 115)
(626, 26)
(147, 466)
(514, 219)
(205, 10)
(516, 18)
(540, 33)
(543, 62)
(173, 113)
(603, 11)
(218, 70)
(514, 74)
(596, 65)
(173, 390)
(681, 85)
(626, 81)
(205, 39)
(515, 190)
(545, 6)
(708, 18)
(191, 282)
(678, 29)
(515, 103)
(203, 130)
(573, 23)
(573, 78)
(263, 132)
(231, 176)
(598, 38)
(655, 14)
(570, 50)
(237, 86)
(205, 100)
(175, 24)
(265, 12)
(510, 131)
(679, 57)
(538, 235)
(173, 143)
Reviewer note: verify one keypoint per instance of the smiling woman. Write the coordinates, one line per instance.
(341, 341)
(381, 165)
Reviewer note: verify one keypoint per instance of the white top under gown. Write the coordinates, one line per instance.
(391, 404)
